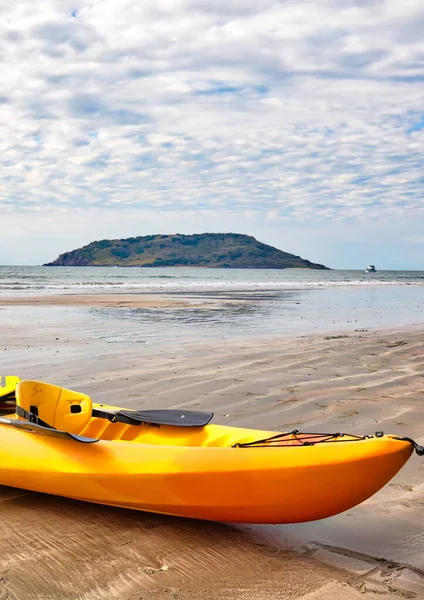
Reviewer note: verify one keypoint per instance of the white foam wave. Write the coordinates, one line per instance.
(184, 286)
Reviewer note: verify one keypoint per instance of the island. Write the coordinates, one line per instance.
(213, 250)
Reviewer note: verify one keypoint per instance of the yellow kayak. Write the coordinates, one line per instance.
(176, 463)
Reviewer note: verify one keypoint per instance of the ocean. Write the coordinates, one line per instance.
(91, 280)
(242, 302)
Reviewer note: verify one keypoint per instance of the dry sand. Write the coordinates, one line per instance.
(55, 548)
(359, 382)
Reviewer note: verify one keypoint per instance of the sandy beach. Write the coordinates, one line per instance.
(359, 381)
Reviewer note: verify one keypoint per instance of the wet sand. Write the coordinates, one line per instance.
(359, 382)
(97, 300)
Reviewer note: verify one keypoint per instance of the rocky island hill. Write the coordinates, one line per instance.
(219, 250)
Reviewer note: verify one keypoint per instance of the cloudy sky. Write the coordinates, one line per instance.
(301, 123)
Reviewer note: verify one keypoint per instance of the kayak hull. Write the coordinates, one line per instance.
(221, 483)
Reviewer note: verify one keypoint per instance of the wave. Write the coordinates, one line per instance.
(173, 285)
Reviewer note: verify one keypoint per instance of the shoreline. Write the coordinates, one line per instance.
(113, 316)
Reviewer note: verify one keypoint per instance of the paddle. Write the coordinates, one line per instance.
(172, 417)
(34, 428)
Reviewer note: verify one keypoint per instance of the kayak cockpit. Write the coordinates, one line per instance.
(73, 412)
(58, 408)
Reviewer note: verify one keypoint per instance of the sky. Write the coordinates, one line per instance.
(301, 123)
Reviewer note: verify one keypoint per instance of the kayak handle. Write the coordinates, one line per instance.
(418, 449)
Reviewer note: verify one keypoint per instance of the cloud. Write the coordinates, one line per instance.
(303, 111)
(414, 239)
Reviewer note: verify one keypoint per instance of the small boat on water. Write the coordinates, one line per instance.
(175, 462)
(370, 269)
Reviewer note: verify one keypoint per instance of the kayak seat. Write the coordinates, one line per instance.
(53, 406)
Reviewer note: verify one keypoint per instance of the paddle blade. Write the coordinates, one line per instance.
(179, 418)
(38, 429)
